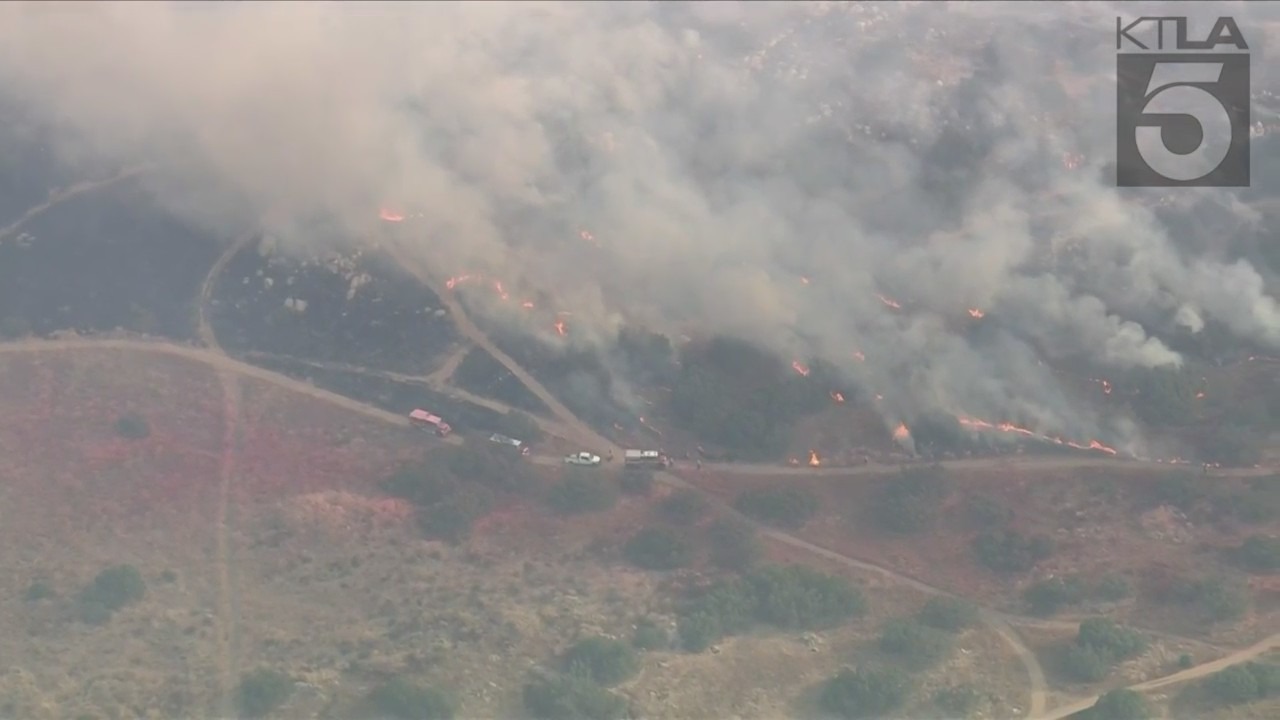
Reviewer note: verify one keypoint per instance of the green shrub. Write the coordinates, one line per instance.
(1112, 588)
(582, 492)
(684, 507)
(985, 511)
(789, 597)
(571, 697)
(604, 660)
(451, 519)
(1220, 599)
(1185, 662)
(1121, 704)
(864, 693)
(787, 507)
(403, 700)
(734, 544)
(115, 588)
(658, 548)
(1108, 637)
(1233, 686)
(637, 481)
(1260, 553)
(38, 590)
(1085, 664)
(948, 613)
(910, 503)
(920, 646)
(1046, 597)
(648, 636)
(1006, 551)
(262, 691)
(132, 426)
(957, 701)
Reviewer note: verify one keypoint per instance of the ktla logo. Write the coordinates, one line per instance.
(1182, 106)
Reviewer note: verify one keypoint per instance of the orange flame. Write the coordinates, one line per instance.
(1006, 427)
(837, 396)
(857, 355)
(793, 461)
(813, 459)
(889, 303)
(390, 215)
(1200, 395)
(976, 314)
(795, 365)
(559, 326)
(901, 433)
(804, 280)
(1106, 386)
(527, 304)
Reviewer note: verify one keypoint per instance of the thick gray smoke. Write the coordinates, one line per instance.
(781, 171)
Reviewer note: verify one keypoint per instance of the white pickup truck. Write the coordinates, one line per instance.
(582, 458)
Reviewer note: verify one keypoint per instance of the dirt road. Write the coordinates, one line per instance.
(1200, 671)
(65, 194)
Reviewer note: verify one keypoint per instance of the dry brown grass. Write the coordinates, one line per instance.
(331, 581)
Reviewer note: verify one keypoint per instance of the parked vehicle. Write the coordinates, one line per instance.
(645, 458)
(518, 445)
(423, 419)
(582, 458)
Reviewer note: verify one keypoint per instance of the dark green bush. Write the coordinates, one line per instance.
(133, 427)
(919, 646)
(684, 507)
(399, 699)
(420, 484)
(948, 613)
(1233, 686)
(957, 701)
(910, 503)
(1046, 597)
(1260, 553)
(38, 590)
(262, 691)
(1007, 551)
(658, 548)
(451, 519)
(734, 544)
(1085, 664)
(1108, 637)
(1112, 588)
(115, 587)
(864, 693)
(787, 507)
(648, 636)
(604, 660)
(1121, 704)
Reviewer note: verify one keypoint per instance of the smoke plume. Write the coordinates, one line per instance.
(786, 172)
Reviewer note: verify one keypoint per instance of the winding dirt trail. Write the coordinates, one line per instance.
(1244, 655)
(66, 194)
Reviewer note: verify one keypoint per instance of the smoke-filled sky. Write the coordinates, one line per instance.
(718, 153)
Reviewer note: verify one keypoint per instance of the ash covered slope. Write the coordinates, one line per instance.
(907, 160)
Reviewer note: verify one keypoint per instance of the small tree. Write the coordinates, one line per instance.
(1110, 638)
(787, 507)
(604, 660)
(403, 700)
(115, 587)
(648, 636)
(957, 701)
(684, 507)
(1006, 551)
(1112, 588)
(262, 691)
(658, 548)
(132, 426)
(864, 693)
(1233, 686)
(1121, 704)
(950, 614)
(1046, 597)
(734, 544)
(1085, 664)
(917, 645)
(1260, 553)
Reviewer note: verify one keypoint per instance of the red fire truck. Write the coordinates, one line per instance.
(427, 421)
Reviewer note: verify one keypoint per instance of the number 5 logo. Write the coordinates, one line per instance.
(1175, 90)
